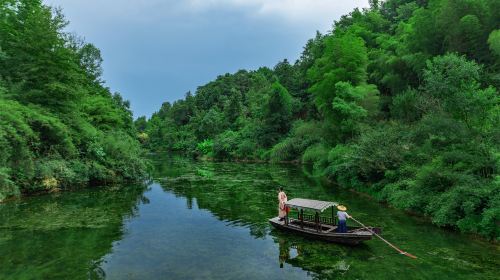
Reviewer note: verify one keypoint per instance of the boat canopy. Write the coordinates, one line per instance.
(316, 205)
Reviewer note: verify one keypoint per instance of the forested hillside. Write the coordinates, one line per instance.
(399, 101)
(60, 127)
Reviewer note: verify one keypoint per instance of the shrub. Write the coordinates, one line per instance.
(318, 156)
(206, 147)
(246, 149)
(7, 186)
(303, 135)
(226, 144)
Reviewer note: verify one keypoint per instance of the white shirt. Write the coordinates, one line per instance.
(342, 215)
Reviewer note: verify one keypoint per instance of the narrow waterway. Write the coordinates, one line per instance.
(206, 220)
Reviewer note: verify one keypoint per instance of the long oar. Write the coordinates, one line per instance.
(388, 243)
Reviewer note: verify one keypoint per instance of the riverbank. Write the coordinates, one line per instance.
(188, 225)
(410, 118)
(366, 194)
(61, 127)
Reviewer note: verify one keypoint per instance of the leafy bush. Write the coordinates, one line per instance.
(246, 149)
(317, 155)
(206, 147)
(405, 92)
(226, 144)
(303, 135)
(60, 127)
(7, 186)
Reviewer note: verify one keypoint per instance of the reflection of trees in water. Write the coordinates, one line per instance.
(229, 192)
(243, 194)
(65, 235)
(324, 261)
(95, 271)
(284, 250)
(227, 203)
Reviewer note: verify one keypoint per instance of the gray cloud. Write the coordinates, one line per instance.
(155, 51)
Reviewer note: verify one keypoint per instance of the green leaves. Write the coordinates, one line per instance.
(206, 147)
(59, 127)
(339, 88)
(494, 42)
(454, 83)
(399, 101)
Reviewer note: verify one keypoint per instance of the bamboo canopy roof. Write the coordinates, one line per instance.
(310, 204)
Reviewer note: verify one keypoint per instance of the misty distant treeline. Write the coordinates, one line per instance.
(399, 101)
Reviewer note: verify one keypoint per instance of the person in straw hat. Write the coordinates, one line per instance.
(343, 216)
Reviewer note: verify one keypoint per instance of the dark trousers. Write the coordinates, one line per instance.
(342, 227)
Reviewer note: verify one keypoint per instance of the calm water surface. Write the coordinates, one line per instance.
(202, 220)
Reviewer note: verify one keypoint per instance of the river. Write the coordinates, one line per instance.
(207, 220)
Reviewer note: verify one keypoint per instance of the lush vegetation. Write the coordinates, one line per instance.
(400, 101)
(60, 127)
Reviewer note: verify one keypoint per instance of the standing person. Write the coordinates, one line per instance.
(282, 209)
(343, 216)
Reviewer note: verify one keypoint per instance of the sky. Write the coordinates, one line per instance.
(157, 50)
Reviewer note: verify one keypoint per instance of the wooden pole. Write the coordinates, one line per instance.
(333, 223)
(316, 219)
(319, 222)
(301, 218)
(388, 243)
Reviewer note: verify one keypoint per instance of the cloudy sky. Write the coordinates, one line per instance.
(157, 50)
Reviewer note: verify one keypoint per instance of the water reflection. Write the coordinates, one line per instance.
(206, 220)
(64, 235)
(244, 195)
(288, 251)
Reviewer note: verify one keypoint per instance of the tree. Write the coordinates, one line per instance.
(59, 126)
(453, 82)
(344, 59)
(278, 113)
(141, 124)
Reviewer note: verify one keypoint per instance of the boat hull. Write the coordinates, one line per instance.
(355, 235)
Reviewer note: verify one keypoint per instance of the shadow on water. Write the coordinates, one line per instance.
(65, 235)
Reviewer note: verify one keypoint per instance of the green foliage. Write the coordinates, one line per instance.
(351, 106)
(303, 135)
(317, 155)
(226, 144)
(7, 186)
(206, 147)
(211, 124)
(59, 126)
(494, 42)
(344, 60)
(453, 82)
(399, 101)
(407, 106)
(277, 116)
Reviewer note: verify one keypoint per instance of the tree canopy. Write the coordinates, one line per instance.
(59, 126)
(399, 101)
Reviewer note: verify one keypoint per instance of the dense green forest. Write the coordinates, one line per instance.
(60, 127)
(399, 101)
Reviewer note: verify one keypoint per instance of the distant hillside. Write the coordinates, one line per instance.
(399, 101)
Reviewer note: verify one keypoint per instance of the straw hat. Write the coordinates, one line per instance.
(341, 207)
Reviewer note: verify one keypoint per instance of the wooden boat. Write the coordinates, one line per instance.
(320, 227)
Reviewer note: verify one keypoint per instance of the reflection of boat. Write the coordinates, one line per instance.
(319, 227)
